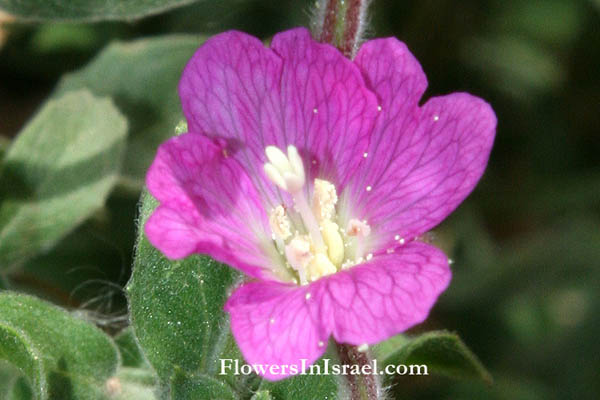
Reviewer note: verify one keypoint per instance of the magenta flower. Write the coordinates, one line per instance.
(316, 175)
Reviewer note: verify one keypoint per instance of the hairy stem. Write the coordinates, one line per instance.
(362, 386)
(340, 23)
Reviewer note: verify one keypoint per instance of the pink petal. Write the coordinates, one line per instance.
(299, 93)
(396, 77)
(279, 324)
(328, 111)
(208, 205)
(274, 324)
(422, 162)
(386, 296)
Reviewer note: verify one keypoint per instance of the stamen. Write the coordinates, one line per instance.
(280, 226)
(322, 248)
(299, 256)
(321, 266)
(358, 228)
(324, 199)
(310, 222)
(334, 242)
(287, 172)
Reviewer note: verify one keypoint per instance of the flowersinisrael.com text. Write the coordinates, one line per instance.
(229, 365)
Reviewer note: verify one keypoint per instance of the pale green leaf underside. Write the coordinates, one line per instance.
(147, 97)
(88, 10)
(57, 172)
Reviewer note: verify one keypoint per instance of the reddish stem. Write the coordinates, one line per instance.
(328, 31)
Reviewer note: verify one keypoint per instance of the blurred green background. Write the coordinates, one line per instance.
(526, 245)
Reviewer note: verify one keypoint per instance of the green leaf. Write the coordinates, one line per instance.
(262, 395)
(58, 172)
(62, 357)
(184, 387)
(177, 315)
(13, 385)
(147, 97)
(88, 10)
(177, 310)
(443, 353)
(308, 386)
(134, 384)
(131, 354)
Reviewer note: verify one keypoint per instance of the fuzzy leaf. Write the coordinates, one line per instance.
(308, 386)
(58, 172)
(444, 353)
(177, 315)
(176, 310)
(148, 97)
(61, 356)
(131, 354)
(87, 10)
(184, 387)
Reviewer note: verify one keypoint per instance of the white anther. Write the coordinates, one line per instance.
(365, 155)
(324, 199)
(321, 344)
(334, 242)
(369, 188)
(307, 296)
(280, 223)
(299, 256)
(272, 321)
(320, 266)
(358, 228)
(436, 117)
(378, 108)
(369, 256)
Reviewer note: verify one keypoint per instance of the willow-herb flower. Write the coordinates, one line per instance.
(316, 176)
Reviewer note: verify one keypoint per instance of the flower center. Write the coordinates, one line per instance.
(317, 246)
